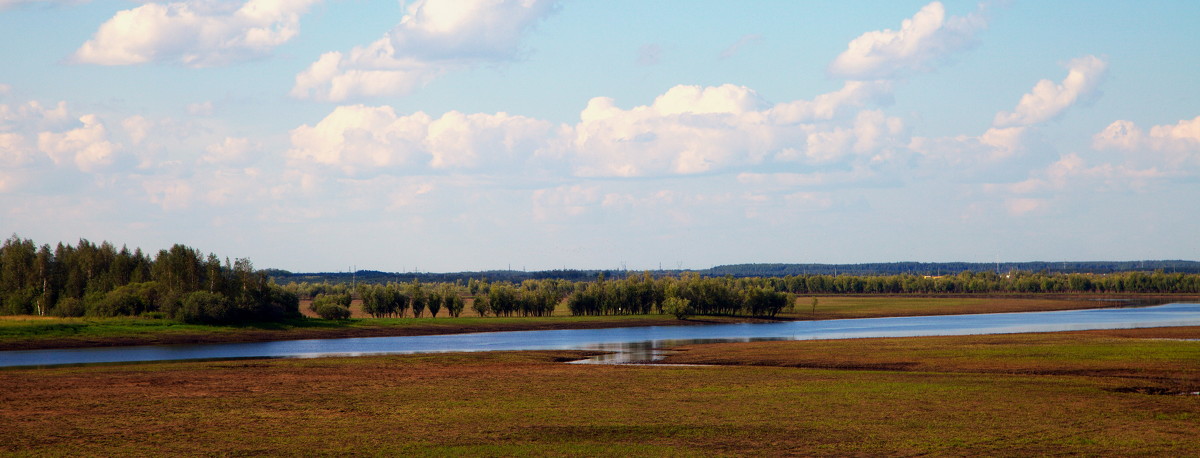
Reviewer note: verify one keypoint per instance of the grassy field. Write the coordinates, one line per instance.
(26, 332)
(1026, 394)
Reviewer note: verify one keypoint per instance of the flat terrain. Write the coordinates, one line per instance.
(27, 333)
(1091, 393)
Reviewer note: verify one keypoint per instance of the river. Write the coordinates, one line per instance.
(636, 343)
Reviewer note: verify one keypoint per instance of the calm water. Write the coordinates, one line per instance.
(638, 342)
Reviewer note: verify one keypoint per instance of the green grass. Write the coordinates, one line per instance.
(29, 327)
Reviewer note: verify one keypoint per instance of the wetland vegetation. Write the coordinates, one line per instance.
(1093, 393)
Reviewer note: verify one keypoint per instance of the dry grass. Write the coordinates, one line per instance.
(529, 404)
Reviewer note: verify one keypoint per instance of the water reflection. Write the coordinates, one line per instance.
(649, 351)
(640, 344)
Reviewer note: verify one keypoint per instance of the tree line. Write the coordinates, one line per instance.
(88, 279)
(988, 282)
(918, 269)
(693, 294)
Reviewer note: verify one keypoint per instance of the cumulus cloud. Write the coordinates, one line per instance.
(137, 127)
(1048, 99)
(994, 145)
(923, 39)
(690, 129)
(433, 37)
(194, 33)
(87, 147)
(1179, 144)
(853, 95)
(360, 139)
(19, 126)
(1010, 131)
(686, 130)
(32, 114)
(32, 133)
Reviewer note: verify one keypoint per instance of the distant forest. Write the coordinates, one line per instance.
(181, 283)
(934, 269)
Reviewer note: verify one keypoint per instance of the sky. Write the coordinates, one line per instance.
(457, 135)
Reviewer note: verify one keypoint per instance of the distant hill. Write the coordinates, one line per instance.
(751, 270)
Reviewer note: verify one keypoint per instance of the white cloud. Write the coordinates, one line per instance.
(232, 150)
(1048, 99)
(33, 115)
(433, 37)
(34, 136)
(1025, 205)
(15, 150)
(360, 139)
(691, 130)
(852, 95)
(1072, 172)
(922, 39)
(87, 146)
(137, 127)
(357, 136)
(169, 193)
(994, 145)
(459, 140)
(194, 33)
(1009, 133)
(1178, 144)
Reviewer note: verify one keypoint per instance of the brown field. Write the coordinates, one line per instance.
(1085, 393)
(1166, 358)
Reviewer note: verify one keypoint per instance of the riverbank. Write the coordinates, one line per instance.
(1107, 393)
(35, 333)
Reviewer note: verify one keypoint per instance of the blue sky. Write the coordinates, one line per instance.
(312, 135)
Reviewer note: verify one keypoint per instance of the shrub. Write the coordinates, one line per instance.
(480, 305)
(332, 311)
(205, 307)
(19, 302)
(68, 307)
(129, 300)
(681, 308)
